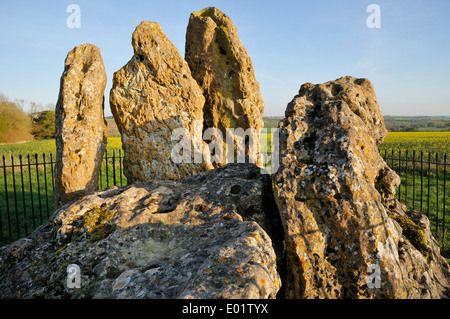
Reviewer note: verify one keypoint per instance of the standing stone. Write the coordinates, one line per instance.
(80, 124)
(153, 95)
(223, 68)
(346, 236)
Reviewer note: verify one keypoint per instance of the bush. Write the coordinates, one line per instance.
(43, 125)
(15, 124)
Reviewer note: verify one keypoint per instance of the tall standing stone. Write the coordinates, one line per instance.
(346, 235)
(153, 95)
(223, 68)
(80, 124)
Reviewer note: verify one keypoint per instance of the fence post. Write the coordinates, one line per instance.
(443, 205)
(392, 158)
(414, 180)
(45, 182)
(406, 179)
(114, 166)
(429, 180)
(25, 221)
(400, 173)
(7, 199)
(15, 196)
(437, 196)
(38, 186)
(421, 181)
(51, 168)
(120, 166)
(106, 162)
(31, 192)
(101, 178)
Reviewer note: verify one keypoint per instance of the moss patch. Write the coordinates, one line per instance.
(60, 249)
(98, 222)
(414, 233)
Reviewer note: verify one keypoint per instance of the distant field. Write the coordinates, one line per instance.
(272, 122)
(113, 131)
(28, 148)
(427, 142)
(417, 123)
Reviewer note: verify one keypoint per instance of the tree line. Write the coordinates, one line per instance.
(417, 123)
(17, 125)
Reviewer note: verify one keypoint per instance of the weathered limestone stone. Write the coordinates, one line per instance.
(360, 97)
(199, 237)
(80, 124)
(223, 68)
(152, 95)
(345, 234)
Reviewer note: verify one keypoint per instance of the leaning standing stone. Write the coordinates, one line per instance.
(223, 68)
(346, 236)
(153, 95)
(80, 124)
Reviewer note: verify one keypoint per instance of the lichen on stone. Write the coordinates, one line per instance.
(98, 222)
(79, 113)
(223, 68)
(414, 233)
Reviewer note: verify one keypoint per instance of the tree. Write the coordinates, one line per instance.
(43, 125)
(15, 124)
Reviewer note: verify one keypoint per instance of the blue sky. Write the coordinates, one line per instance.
(290, 43)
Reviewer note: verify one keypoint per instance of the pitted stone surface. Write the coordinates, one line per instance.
(336, 199)
(80, 124)
(223, 69)
(153, 95)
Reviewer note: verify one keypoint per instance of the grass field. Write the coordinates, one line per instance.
(45, 147)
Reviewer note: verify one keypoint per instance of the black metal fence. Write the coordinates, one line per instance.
(26, 189)
(424, 187)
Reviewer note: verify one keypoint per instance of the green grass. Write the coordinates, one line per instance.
(46, 147)
(29, 206)
(31, 147)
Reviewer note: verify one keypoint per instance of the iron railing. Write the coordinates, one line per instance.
(424, 186)
(26, 190)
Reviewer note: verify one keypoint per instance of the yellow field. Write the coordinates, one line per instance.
(419, 141)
